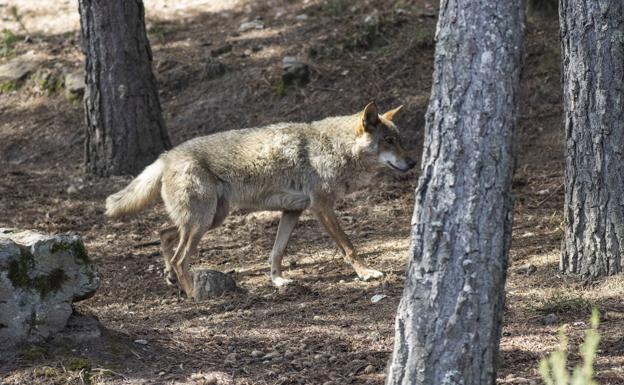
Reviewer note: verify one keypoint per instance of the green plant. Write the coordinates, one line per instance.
(6, 87)
(561, 304)
(48, 82)
(34, 353)
(77, 363)
(47, 372)
(553, 368)
(334, 8)
(7, 43)
(280, 88)
(158, 32)
(18, 18)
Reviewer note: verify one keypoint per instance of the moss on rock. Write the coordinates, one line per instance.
(44, 284)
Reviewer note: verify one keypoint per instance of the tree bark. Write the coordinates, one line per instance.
(125, 127)
(449, 319)
(592, 47)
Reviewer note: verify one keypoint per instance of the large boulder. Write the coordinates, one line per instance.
(40, 277)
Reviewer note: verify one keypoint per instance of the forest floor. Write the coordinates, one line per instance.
(324, 329)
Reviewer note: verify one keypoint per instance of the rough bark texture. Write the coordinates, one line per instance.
(449, 319)
(592, 47)
(125, 127)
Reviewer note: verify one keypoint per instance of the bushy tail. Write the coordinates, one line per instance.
(142, 191)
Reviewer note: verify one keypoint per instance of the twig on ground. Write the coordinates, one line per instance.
(146, 244)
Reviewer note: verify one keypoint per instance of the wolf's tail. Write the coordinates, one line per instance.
(136, 196)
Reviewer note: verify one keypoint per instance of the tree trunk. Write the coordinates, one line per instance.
(449, 319)
(125, 127)
(592, 48)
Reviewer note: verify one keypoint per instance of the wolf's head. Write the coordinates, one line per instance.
(378, 138)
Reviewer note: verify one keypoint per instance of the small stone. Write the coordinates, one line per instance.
(75, 83)
(369, 369)
(294, 71)
(271, 355)
(161, 373)
(213, 69)
(18, 68)
(579, 324)
(212, 283)
(302, 17)
(232, 357)
(257, 353)
(221, 50)
(377, 297)
(141, 342)
(317, 318)
(318, 357)
(249, 25)
(71, 190)
(550, 319)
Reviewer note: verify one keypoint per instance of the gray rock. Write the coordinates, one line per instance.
(18, 68)
(75, 83)
(550, 319)
(249, 25)
(80, 328)
(294, 71)
(221, 50)
(40, 277)
(213, 69)
(212, 283)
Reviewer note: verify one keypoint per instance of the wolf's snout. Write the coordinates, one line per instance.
(410, 163)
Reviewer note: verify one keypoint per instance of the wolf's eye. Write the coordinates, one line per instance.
(389, 139)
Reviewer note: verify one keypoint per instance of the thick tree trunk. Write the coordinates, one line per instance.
(125, 127)
(592, 51)
(449, 319)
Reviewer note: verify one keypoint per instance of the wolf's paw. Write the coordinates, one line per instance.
(280, 281)
(369, 274)
(170, 278)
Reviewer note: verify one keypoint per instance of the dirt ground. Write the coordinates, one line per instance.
(324, 329)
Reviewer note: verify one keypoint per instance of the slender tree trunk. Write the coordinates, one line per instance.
(449, 319)
(592, 52)
(125, 127)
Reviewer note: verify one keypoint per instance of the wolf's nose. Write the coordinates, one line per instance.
(411, 163)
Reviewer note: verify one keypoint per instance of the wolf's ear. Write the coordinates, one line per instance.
(370, 118)
(390, 114)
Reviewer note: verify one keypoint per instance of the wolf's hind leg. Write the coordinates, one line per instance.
(284, 231)
(169, 237)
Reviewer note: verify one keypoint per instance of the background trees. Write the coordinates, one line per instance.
(125, 127)
(592, 44)
(449, 319)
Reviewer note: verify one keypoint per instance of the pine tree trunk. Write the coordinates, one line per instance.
(125, 127)
(592, 51)
(449, 319)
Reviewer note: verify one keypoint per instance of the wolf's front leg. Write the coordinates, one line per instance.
(327, 217)
(284, 231)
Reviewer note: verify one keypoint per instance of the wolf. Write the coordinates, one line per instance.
(287, 167)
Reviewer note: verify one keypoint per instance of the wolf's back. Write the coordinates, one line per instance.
(139, 194)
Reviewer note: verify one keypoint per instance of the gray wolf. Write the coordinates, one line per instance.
(289, 167)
